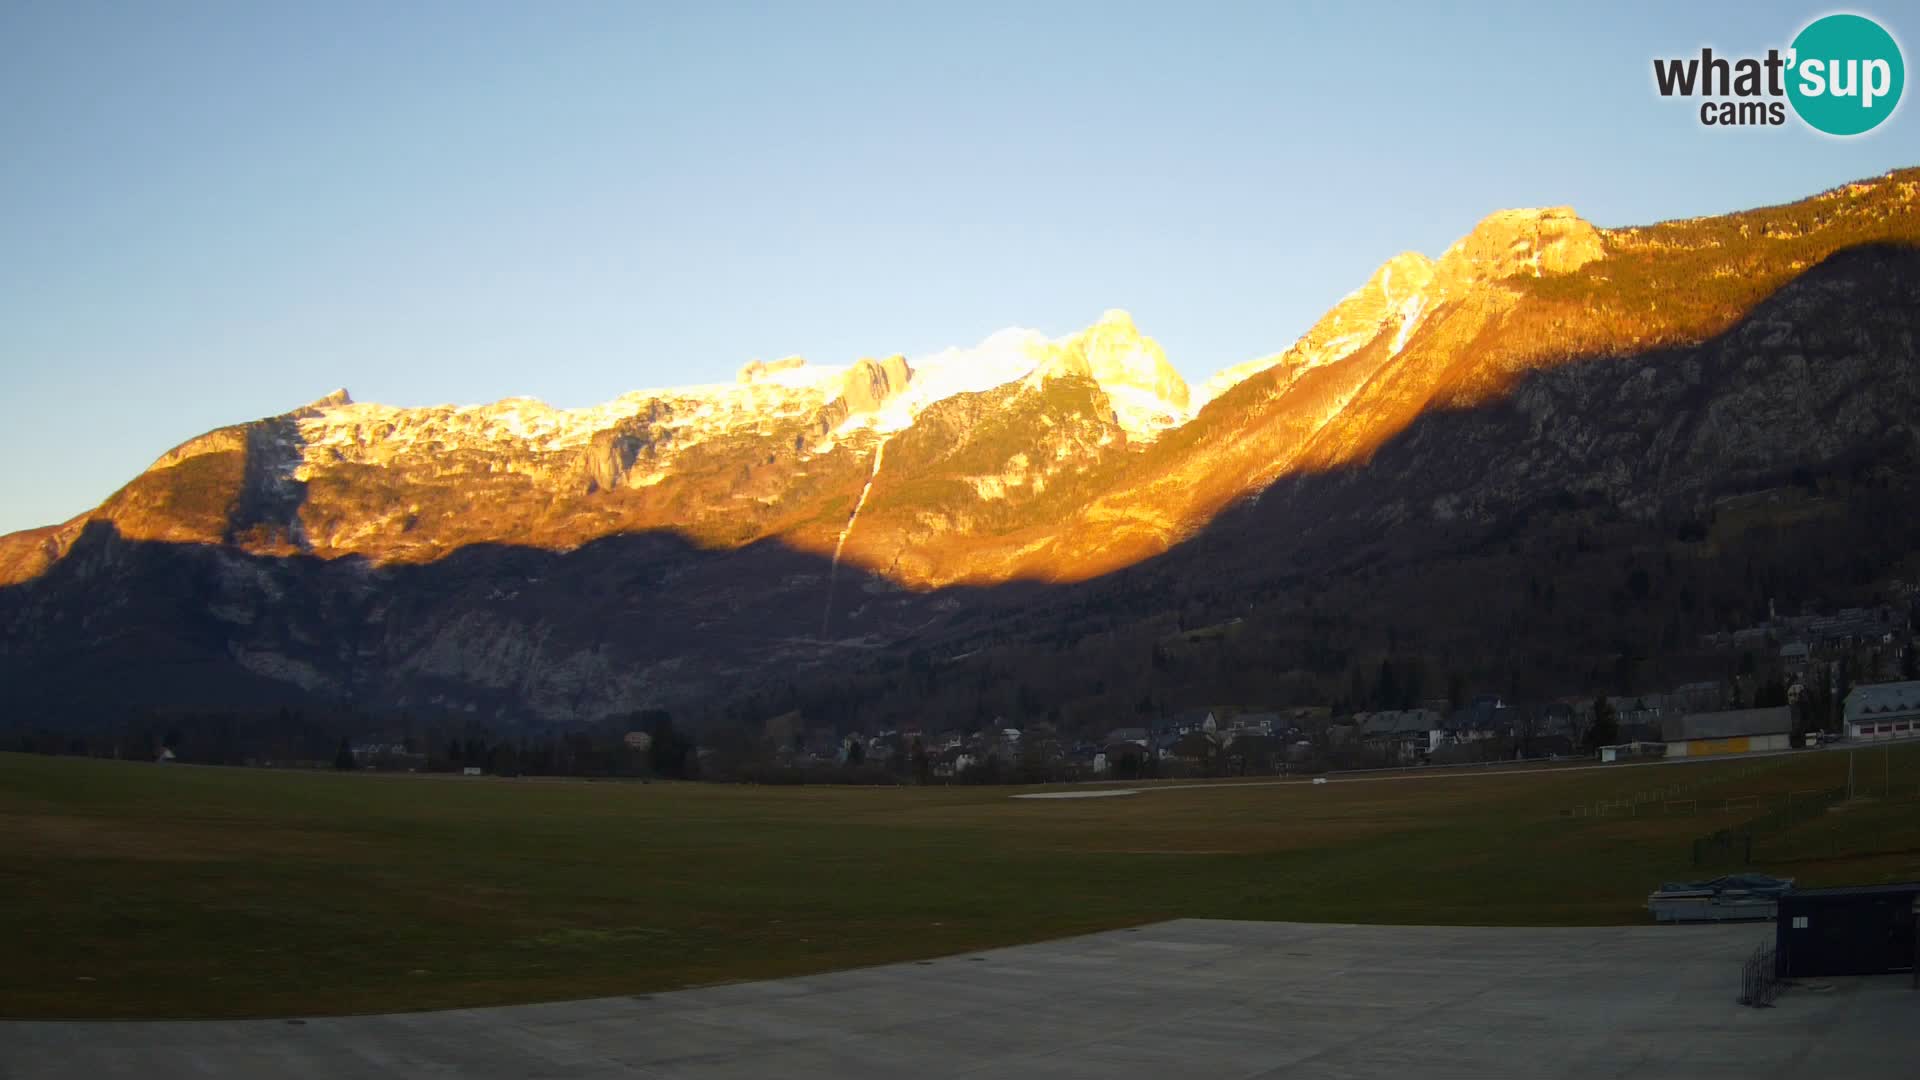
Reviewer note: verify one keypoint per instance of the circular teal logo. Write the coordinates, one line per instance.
(1846, 74)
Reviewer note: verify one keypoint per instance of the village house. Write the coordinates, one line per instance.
(1408, 734)
(1486, 717)
(1825, 635)
(1253, 752)
(1264, 723)
(853, 748)
(1085, 755)
(1250, 725)
(1553, 730)
(387, 755)
(1883, 711)
(951, 762)
(377, 749)
(1196, 748)
(1187, 720)
(1162, 744)
(1794, 656)
(1639, 716)
(1123, 756)
(823, 743)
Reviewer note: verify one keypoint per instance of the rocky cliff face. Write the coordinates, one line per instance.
(1146, 393)
(870, 383)
(1509, 242)
(568, 563)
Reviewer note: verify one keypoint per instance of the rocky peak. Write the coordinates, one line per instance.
(1395, 282)
(1409, 286)
(1148, 395)
(1120, 355)
(869, 383)
(756, 370)
(1554, 240)
(339, 399)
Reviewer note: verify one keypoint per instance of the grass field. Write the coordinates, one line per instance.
(142, 890)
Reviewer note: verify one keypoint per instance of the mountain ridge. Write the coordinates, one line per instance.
(891, 499)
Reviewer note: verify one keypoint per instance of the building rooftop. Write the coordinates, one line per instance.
(1401, 721)
(1883, 698)
(1729, 724)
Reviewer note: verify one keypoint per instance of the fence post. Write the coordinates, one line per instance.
(1759, 978)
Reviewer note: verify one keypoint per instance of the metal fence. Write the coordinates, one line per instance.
(1760, 978)
(1773, 837)
(1680, 799)
(1735, 844)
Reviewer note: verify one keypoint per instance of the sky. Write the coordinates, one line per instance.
(212, 212)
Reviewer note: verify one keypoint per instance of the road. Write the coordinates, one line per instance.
(1192, 998)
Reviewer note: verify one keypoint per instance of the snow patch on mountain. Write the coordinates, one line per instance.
(1147, 394)
(1409, 311)
(861, 400)
(369, 433)
(881, 397)
(1006, 356)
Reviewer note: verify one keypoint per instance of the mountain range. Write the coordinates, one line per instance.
(1049, 519)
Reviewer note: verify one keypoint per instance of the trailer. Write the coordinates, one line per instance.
(1731, 898)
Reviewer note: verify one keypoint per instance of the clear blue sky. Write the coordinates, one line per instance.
(211, 212)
